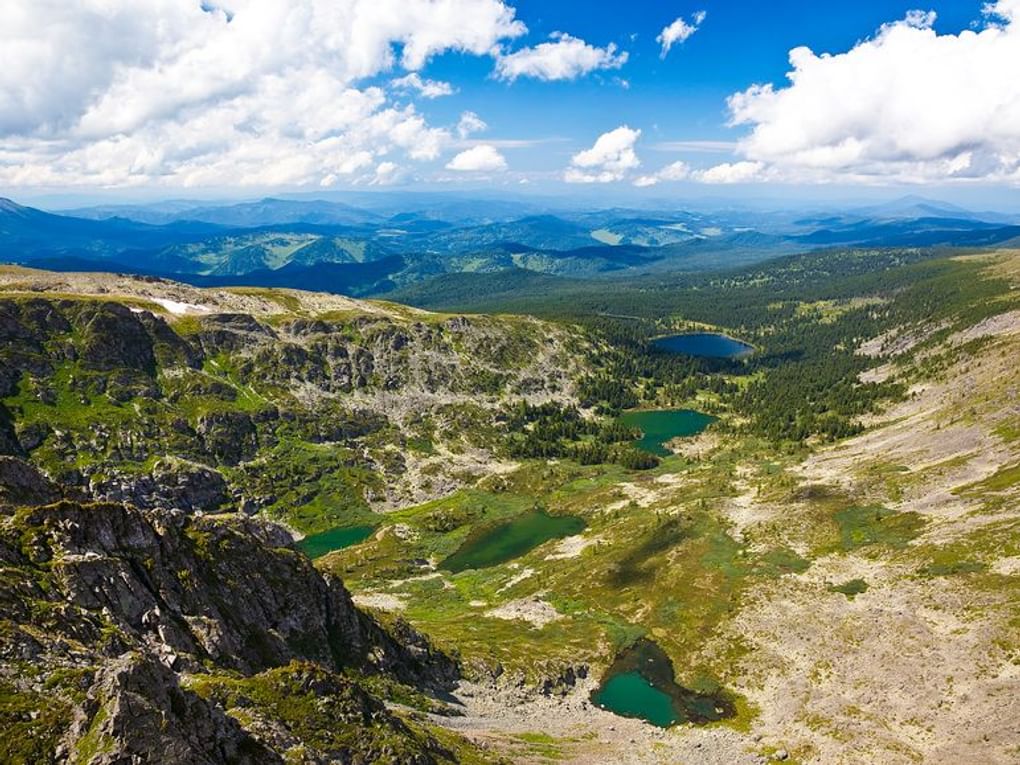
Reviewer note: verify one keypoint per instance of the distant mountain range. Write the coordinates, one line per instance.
(339, 247)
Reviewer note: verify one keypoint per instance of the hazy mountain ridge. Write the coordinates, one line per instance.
(286, 242)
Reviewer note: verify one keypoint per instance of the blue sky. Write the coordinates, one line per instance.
(243, 97)
(679, 98)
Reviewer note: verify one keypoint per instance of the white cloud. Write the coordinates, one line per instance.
(679, 31)
(470, 123)
(482, 158)
(386, 174)
(610, 159)
(732, 172)
(124, 92)
(566, 58)
(425, 88)
(675, 171)
(907, 105)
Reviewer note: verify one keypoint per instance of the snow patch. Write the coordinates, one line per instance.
(178, 308)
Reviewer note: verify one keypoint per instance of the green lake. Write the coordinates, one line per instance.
(493, 545)
(640, 684)
(658, 426)
(317, 545)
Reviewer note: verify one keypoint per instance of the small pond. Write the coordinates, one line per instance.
(712, 345)
(640, 684)
(490, 546)
(317, 545)
(659, 426)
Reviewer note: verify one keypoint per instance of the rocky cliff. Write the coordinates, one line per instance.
(134, 635)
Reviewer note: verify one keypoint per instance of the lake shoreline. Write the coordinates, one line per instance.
(736, 350)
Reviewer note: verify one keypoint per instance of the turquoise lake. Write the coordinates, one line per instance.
(658, 426)
(511, 539)
(628, 694)
(710, 345)
(317, 545)
(640, 684)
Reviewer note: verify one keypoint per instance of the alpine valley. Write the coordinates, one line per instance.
(434, 479)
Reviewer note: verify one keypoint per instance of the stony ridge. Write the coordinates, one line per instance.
(132, 392)
(117, 610)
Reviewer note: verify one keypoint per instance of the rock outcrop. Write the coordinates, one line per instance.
(129, 604)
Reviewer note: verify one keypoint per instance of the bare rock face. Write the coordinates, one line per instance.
(173, 484)
(21, 483)
(96, 391)
(113, 338)
(164, 629)
(9, 443)
(133, 601)
(226, 589)
(137, 712)
(229, 437)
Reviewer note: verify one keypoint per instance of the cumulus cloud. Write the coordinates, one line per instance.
(470, 123)
(269, 92)
(676, 171)
(679, 31)
(425, 88)
(908, 105)
(565, 58)
(478, 159)
(386, 174)
(610, 159)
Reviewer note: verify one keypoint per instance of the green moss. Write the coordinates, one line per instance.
(953, 568)
(32, 725)
(850, 588)
(332, 715)
(781, 560)
(541, 745)
(93, 743)
(867, 526)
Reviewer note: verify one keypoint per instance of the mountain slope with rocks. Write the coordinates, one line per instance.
(292, 403)
(137, 635)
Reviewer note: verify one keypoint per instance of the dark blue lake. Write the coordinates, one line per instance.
(705, 344)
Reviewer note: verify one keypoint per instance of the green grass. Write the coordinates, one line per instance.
(1004, 479)
(675, 577)
(850, 588)
(32, 725)
(861, 527)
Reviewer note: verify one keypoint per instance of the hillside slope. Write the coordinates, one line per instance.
(314, 408)
(921, 660)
